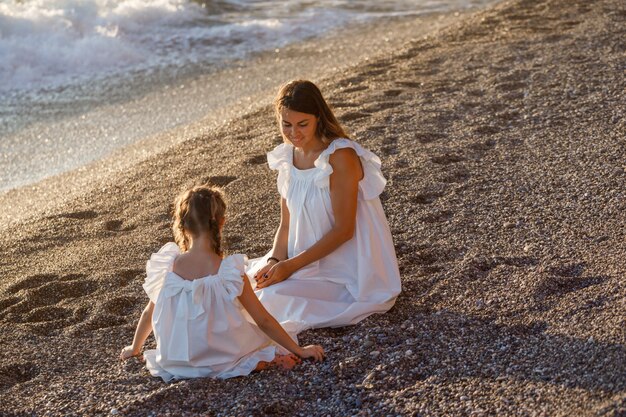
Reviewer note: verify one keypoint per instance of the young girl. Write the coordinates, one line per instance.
(200, 302)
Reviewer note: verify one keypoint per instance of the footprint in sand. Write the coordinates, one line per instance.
(343, 105)
(428, 137)
(31, 282)
(431, 256)
(486, 130)
(101, 321)
(480, 266)
(390, 146)
(120, 306)
(510, 86)
(385, 105)
(256, 160)
(81, 215)
(347, 117)
(437, 217)
(483, 146)
(126, 276)
(16, 373)
(392, 93)
(456, 177)
(35, 300)
(564, 279)
(410, 84)
(118, 226)
(47, 313)
(447, 159)
(425, 198)
(376, 128)
(222, 180)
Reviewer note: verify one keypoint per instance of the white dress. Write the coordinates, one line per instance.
(360, 277)
(200, 327)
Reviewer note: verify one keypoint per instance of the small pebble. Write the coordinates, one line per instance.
(374, 353)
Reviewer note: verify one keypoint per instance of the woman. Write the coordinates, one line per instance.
(333, 261)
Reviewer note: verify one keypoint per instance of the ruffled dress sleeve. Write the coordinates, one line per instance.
(157, 267)
(231, 271)
(373, 182)
(280, 159)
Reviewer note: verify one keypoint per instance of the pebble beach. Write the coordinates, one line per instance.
(502, 134)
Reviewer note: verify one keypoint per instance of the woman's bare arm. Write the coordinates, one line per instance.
(279, 249)
(344, 188)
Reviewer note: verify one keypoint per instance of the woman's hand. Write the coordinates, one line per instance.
(128, 353)
(265, 269)
(316, 352)
(277, 273)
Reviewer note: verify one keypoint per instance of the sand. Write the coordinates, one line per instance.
(503, 139)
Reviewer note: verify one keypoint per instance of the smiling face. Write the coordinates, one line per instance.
(299, 128)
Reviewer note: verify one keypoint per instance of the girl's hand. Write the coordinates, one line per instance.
(277, 273)
(128, 353)
(313, 351)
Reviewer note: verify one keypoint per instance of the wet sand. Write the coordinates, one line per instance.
(502, 137)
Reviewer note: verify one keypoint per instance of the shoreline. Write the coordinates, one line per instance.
(501, 140)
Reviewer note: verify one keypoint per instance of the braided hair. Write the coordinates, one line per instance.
(200, 209)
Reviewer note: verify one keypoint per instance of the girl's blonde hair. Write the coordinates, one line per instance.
(200, 209)
(304, 97)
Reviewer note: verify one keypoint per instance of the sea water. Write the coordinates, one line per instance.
(65, 57)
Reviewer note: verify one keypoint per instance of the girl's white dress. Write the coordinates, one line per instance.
(200, 327)
(360, 277)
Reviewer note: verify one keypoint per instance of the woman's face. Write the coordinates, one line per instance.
(298, 128)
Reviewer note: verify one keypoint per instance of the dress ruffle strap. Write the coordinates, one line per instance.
(231, 271)
(373, 182)
(279, 160)
(157, 267)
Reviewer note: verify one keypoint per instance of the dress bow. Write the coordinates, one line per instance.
(189, 307)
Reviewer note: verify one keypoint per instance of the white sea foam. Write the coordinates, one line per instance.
(45, 44)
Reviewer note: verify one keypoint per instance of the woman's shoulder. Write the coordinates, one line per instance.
(344, 150)
(346, 153)
(345, 146)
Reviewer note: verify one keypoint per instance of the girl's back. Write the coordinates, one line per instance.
(199, 326)
(206, 319)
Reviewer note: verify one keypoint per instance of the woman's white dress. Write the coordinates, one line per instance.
(200, 327)
(359, 278)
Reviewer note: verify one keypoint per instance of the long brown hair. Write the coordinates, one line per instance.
(304, 97)
(200, 209)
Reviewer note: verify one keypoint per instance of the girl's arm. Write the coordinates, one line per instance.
(344, 188)
(271, 327)
(144, 328)
(279, 249)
